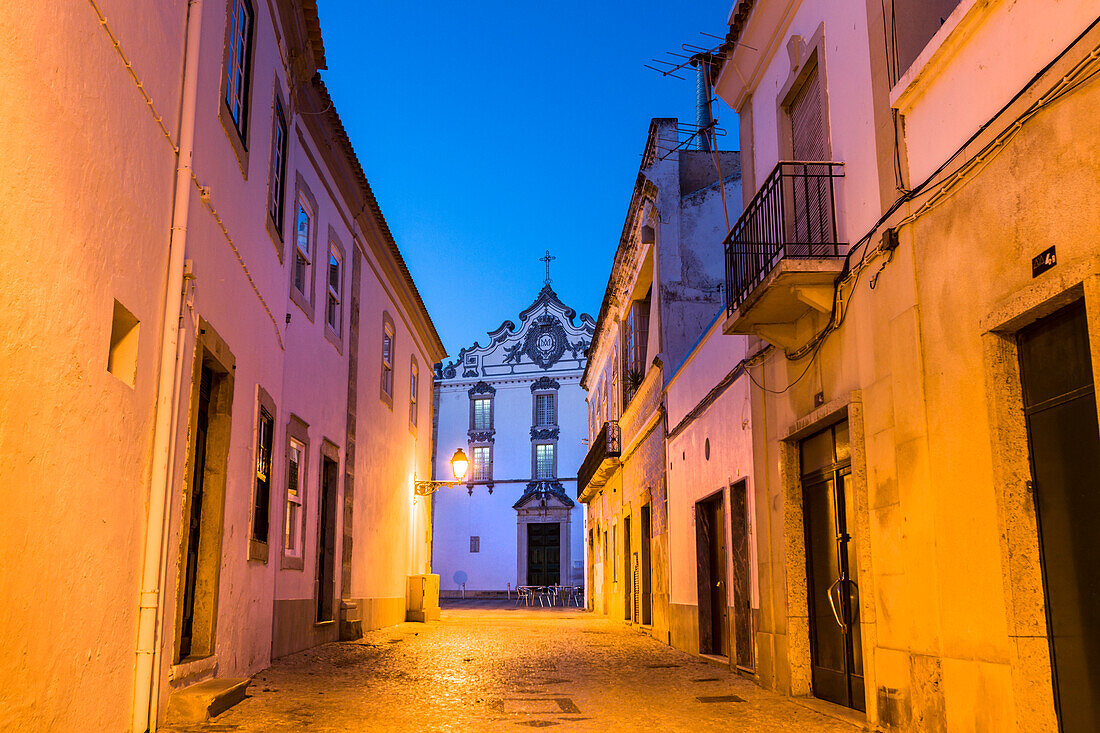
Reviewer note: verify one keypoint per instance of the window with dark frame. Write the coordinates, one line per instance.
(261, 509)
(332, 305)
(276, 185)
(414, 387)
(302, 240)
(292, 532)
(238, 69)
(475, 544)
(387, 359)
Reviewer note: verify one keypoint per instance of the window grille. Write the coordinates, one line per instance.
(483, 463)
(544, 461)
(475, 544)
(263, 476)
(544, 410)
(482, 413)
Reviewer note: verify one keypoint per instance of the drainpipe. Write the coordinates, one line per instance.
(146, 682)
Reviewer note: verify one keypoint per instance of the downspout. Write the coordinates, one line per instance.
(150, 606)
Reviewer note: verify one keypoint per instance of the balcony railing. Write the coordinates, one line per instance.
(607, 448)
(792, 215)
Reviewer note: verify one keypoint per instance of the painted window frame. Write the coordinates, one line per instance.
(386, 362)
(277, 170)
(335, 332)
(552, 396)
(536, 474)
(486, 475)
(258, 547)
(238, 54)
(293, 553)
(414, 393)
(488, 398)
(303, 297)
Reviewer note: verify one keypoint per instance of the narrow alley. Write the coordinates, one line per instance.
(491, 666)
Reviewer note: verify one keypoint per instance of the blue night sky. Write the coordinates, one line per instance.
(492, 131)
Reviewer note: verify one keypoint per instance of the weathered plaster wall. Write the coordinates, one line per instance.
(85, 222)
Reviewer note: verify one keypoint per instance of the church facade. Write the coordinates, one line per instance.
(517, 409)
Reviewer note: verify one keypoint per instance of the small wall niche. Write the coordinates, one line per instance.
(122, 357)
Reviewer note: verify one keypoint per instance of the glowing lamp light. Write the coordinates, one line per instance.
(459, 464)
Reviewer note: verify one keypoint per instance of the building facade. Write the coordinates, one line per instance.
(217, 398)
(516, 408)
(923, 339)
(662, 295)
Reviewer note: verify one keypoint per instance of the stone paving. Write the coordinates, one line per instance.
(491, 667)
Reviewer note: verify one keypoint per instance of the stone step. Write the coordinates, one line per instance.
(200, 702)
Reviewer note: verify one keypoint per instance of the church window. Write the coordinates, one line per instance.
(483, 463)
(475, 544)
(545, 414)
(544, 461)
(482, 414)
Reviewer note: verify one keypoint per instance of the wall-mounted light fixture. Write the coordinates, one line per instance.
(459, 464)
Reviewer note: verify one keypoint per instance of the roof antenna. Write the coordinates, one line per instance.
(704, 120)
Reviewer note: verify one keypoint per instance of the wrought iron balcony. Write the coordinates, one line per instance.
(601, 460)
(787, 232)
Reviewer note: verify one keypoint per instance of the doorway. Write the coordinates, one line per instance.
(543, 553)
(644, 572)
(628, 572)
(744, 650)
(194, 515)
(1064, 443)
(836, 656)
(710, 550)
(326, 542)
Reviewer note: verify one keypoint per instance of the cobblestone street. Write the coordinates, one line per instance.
(494, 668)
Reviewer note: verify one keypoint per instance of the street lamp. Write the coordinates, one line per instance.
(459, 464)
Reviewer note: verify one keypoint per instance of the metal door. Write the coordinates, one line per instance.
(1064, 441)
(836, 660)
(194, 524)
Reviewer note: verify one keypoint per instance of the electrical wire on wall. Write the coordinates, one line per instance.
(938, 191)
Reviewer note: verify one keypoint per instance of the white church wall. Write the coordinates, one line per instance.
(545, 353)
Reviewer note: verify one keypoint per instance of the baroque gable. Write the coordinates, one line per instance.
(548, 340)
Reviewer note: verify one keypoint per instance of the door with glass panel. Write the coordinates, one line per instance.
(836, 659)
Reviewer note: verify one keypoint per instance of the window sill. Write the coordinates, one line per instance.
(240, 150)
(276, 237)
(302, 302)
(293, 562)
(937, 53)
(334, 338)
(257, 551)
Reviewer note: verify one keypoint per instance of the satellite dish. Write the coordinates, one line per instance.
(461, 577)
